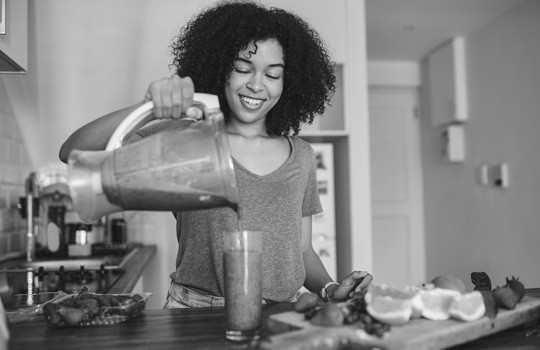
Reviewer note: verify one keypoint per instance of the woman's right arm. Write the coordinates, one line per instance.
(95, 135)
(171, 96)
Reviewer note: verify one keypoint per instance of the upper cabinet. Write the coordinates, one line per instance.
(13, 36)
(447, 83)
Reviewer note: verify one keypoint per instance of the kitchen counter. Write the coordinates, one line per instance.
(200, 328)
(155, 329)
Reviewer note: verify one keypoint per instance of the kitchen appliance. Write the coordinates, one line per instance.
(54, 224)
(175, 170)
(25, 284)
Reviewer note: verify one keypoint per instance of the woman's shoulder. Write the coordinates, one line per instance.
(301, 145)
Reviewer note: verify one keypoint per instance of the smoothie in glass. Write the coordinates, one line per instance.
(243, 284)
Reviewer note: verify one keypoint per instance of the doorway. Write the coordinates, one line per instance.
(396, 185)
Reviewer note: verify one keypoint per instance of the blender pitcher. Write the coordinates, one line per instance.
(177, 169)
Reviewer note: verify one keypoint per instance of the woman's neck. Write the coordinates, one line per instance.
(247, 131)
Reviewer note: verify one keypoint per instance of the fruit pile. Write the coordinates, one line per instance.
(84, 309)
(353, 312)
(506, 297)
(383, 306)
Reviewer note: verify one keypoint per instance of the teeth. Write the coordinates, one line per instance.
(251, 101)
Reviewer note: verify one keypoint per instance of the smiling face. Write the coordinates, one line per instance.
(256, 82)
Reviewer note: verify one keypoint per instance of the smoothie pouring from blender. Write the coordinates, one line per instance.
(272, 73)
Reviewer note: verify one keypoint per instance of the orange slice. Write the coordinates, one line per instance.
(468, 307)
(390, 291)
(410, 293)
(436, 303)
(390, 310)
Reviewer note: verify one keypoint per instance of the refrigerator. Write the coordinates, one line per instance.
(324, 224)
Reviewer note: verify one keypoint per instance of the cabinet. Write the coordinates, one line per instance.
(14, 37)
(447, 83)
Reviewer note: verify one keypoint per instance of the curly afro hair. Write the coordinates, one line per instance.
(207, 46)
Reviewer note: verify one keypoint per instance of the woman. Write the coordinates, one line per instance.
(272, 73)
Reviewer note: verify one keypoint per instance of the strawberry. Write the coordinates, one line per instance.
(505, 297)
(516, 286)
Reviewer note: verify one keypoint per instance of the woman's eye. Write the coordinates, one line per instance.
(241, 71)
(273, 77)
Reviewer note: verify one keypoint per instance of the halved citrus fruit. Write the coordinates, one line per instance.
(468, 307)
(416, 301)
(390, 310)
(449, 282)
(410, 293)
(436, 303)
(390, 291)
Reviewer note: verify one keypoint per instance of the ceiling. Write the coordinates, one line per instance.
(408, 29)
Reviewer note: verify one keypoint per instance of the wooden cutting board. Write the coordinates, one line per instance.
(292, 331)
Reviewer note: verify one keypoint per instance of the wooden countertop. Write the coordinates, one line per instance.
(155, 329)
(195, 329)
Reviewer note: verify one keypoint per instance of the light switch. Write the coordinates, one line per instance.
(501, 175)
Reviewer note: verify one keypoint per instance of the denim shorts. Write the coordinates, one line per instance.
(183, 297)
(180, 296)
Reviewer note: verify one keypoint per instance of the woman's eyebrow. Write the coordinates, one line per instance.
(249, 62)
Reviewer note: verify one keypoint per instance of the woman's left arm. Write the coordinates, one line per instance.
(317, 276)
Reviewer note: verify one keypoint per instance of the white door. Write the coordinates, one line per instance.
(396, 176)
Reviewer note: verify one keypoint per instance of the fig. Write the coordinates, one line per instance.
(71, 316)
(115, 301)
(104, 300)
(329, 315)
(87, 303)
(307, 301)
(50, 311)
(137, 298)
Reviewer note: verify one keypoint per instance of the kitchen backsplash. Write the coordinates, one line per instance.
(15, 166)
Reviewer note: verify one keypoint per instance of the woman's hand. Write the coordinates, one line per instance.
(172, 98)
(355, 282)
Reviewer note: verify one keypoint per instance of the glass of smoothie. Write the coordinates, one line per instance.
(243, 284)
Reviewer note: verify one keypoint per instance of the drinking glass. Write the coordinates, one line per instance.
(243, 284)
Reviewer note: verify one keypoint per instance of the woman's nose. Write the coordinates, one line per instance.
(255, 83)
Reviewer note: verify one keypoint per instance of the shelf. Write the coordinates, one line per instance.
(323, 134)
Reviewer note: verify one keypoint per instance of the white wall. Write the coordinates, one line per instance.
(394, 74)
(470, 227)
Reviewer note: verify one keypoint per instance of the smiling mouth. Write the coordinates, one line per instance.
(251, 101)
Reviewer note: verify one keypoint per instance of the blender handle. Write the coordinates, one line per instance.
(208, 103)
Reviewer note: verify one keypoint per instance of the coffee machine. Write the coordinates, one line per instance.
(56, 229)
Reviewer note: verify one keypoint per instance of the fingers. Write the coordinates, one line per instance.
(358, 281)
(172, 96)
(364, 283)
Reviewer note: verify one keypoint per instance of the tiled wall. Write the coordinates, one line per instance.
(15, 166)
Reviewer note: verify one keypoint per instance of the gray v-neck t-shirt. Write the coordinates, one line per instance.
(274, 203)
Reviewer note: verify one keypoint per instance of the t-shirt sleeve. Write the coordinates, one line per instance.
(312, 203)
